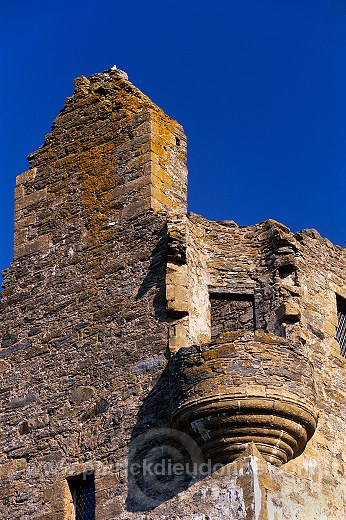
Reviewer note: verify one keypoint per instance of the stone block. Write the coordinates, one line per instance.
(135, 208)
(289, 311)
(24, 222)
(32, 199)
(29, 247)
(27, 176)
(4, 366)
(13, 466)
(18, 193)
(329, 328)
(81, 394)
(34, 423)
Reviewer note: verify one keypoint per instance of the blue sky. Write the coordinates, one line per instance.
(259, 86)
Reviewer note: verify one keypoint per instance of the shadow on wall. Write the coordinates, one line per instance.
(156, 277)
(162, 461)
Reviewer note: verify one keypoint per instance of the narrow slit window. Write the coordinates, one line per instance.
(231, 312)
(82, 488)
(341, 328)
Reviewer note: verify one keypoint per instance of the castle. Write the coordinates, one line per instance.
(154, 364)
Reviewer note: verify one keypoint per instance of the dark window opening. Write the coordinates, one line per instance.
(231, 312)
(341, 328)
(287, 270)
(82, 488)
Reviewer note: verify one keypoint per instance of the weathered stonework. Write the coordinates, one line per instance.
(232, 393)
(137, 336)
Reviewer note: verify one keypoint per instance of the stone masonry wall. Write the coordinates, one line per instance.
(295, 280)
(110, 280)
(83, 311)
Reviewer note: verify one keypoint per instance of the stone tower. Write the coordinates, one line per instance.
(155, 364)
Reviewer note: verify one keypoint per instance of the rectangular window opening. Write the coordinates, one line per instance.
(82, 488)
(341, 328)
(231, 312)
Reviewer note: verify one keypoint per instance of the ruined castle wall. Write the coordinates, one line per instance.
(83, 312)
(112, 285)
(295, 280)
